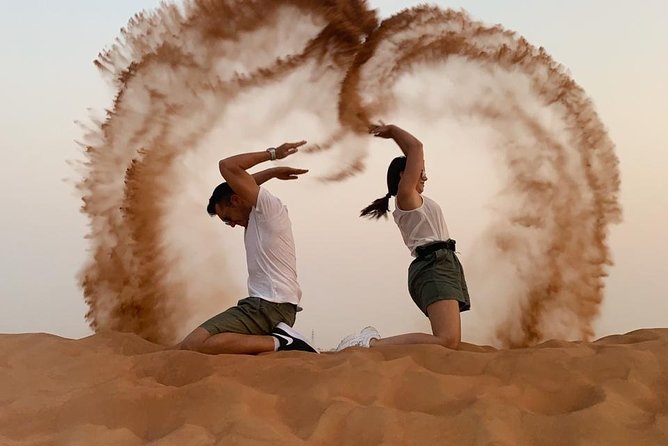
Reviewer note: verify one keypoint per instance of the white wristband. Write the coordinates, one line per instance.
(272, 153)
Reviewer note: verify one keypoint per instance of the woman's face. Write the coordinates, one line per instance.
(419, 187)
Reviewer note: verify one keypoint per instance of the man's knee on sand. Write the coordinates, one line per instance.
(195, 340)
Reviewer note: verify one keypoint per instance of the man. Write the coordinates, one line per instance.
(261, 322)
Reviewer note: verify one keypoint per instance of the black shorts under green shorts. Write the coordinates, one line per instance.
(252, 315)
(438, 276)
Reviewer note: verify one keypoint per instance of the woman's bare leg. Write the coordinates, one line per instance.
(445, 324)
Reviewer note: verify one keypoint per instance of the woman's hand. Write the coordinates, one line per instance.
(382, 130)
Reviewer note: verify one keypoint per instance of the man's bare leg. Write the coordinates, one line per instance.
(200, 340)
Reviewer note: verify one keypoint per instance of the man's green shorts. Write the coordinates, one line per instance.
(438, 276)
(252, 315)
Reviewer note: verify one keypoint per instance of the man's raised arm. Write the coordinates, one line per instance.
(282, 173)
(233, 169)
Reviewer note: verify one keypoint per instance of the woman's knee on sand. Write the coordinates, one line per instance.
(445, 320)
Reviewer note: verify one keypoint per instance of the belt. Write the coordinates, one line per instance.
(425, 250)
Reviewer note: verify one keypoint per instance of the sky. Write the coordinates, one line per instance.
(614, 49)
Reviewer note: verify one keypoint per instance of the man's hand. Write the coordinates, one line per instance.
(287, 173)
(382, 130)
(287, 149)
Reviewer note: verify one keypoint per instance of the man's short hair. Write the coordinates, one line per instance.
(222, 193)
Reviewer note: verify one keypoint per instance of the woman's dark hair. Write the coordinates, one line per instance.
(223, 192)
(381, 206)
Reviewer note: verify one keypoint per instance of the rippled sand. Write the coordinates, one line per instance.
(117, 389)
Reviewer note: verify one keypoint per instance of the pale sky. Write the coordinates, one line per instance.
(614, 49)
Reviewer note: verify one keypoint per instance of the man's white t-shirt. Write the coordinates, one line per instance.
(270, 252)
(422, 225)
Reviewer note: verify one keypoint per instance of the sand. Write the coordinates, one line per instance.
(118, 389)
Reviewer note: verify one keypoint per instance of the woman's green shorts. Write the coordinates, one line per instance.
(252, 315)
(438, 276)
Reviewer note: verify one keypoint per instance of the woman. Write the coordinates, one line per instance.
(436, 277)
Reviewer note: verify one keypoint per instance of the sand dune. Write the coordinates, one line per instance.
(118, 389)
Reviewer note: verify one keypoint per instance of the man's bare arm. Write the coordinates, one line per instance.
(282, 173)
(233, 169)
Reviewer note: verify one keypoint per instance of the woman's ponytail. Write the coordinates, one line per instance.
(381, 206)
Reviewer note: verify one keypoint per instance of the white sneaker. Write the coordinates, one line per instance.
(361, 339)
(367, 334)
(349, 341)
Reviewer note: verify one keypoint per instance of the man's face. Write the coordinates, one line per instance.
(233, 213)
(423, 179)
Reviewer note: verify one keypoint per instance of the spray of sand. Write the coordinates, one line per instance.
(206, 79)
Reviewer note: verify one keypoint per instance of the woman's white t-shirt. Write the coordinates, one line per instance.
(422, 225)
(270, 252)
